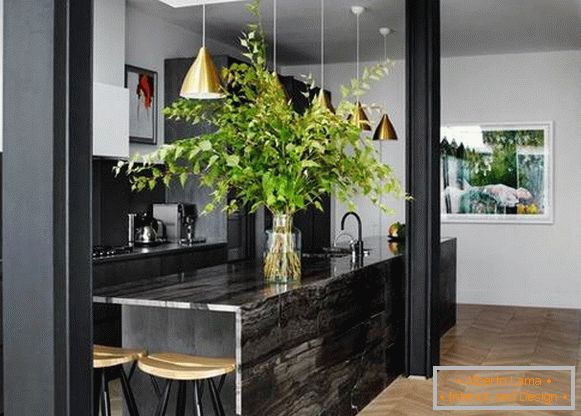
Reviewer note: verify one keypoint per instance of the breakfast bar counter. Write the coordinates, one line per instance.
(326, 345)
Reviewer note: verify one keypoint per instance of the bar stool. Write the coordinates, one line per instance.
(106, 360)
(183, 369)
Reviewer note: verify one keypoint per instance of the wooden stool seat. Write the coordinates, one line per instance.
(185, 367)
(105, 357)
(107, 360)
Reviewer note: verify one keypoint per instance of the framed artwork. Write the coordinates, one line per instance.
(142, 86)
(497, 173)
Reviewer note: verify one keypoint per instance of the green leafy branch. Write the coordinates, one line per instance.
(263, 153)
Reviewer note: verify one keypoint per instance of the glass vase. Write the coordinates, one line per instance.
(282, 251)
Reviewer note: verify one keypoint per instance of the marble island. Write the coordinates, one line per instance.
(325, 346)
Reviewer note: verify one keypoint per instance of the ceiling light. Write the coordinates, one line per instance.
(202, 81)
(359, 117)
(385, 129)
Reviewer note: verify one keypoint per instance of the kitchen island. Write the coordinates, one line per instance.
(325, 346)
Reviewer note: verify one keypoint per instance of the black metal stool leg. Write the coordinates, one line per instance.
(132, 370)
(216, 402)
(162, 406)
(181, 402)
(155, 385)
(96, 390)
(221, 384)
(198, 407)
(105, 397)
(128, 394)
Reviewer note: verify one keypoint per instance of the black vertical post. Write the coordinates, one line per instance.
(423, 175)
(47, 207)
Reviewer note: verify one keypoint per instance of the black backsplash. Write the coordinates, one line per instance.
(113, 200)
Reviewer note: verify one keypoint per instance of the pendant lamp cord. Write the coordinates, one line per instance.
(385, 60)
(358, 48)
(322, 44)
(385, 47)
(204, 24)
(274, 37)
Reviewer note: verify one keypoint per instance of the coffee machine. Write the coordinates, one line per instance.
(180, 222)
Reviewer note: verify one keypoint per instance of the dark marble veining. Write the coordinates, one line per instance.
(229, 287)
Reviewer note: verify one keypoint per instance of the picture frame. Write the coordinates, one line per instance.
(143, 104)
(497, 173)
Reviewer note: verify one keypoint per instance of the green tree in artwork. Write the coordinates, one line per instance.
(501, 166)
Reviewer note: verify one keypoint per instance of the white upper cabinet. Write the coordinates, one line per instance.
(110, 98)
(110, 121)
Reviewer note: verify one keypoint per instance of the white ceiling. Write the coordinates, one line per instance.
(469, 27)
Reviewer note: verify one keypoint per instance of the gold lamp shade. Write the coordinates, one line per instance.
(385, 130)
(359, 117)
(324, 101)
(202, 81)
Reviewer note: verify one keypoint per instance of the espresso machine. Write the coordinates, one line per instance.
(180, 222)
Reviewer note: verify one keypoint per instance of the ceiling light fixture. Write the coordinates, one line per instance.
(202, 81)
(385, 129)
(359, 117)
(323, 97)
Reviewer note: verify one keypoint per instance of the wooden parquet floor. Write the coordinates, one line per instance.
(493, 335)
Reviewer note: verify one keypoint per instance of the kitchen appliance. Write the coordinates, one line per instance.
(146, 230)
(180, 220)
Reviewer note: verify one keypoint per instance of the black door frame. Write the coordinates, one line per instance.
(423, 184)
(47, 270)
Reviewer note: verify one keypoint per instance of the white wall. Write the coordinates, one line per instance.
(390, 93)
(109, 42)
(534, 265)
(149, 41)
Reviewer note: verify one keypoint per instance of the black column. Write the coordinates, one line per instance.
(423, 175)
(47, 207)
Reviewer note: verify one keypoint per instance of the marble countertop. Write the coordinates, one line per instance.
(229, 287)
(162, 249)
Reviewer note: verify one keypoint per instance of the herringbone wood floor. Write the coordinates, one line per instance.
(493, 335)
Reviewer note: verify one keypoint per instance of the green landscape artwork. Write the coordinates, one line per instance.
(496, 173)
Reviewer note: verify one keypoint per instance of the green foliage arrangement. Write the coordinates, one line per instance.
(263, 153)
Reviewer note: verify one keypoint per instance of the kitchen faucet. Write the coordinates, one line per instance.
(357, 250)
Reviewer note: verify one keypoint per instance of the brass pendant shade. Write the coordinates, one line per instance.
(324, 101)
(359, 117)
(202, 81)
(385, 130)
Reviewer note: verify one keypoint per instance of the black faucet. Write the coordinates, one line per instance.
(357, 249)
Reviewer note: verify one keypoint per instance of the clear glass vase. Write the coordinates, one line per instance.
(282, 251)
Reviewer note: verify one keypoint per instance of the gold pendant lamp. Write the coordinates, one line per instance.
(359, 117)
(202, 81)
(323, 98)
(385, 130)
